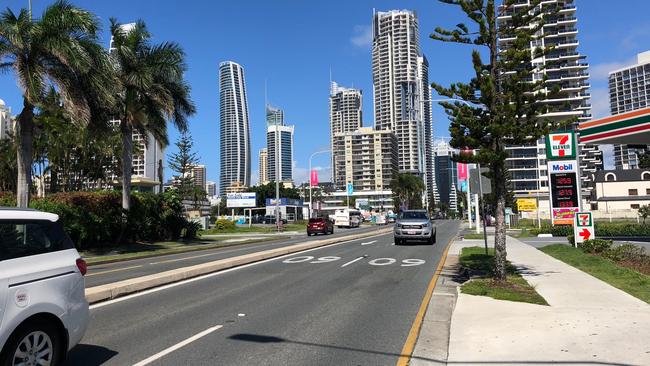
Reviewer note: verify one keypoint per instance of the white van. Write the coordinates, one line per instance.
(347, 218)
(43, 308)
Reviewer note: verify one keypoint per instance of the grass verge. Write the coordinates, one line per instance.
(473, 236)
(147, 250)
(515, 288)
(255, 229)
(628, 280)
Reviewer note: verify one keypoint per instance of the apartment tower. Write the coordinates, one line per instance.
(345, 116)
(401, 90)
(6, 121)
(629, 89)
(566, 72)
(264, 166)
(234, 148)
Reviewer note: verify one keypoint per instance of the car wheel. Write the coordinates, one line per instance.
(398, 242)
(33, 344)
(433, 238)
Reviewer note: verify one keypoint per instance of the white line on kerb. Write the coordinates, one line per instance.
(173, 348)
(352, 261)
(370, 242)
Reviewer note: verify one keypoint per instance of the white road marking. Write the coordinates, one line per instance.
(209, 275)
(241, 314)
(110, 271)
(173, 348)
(352, 261)
(370, 242)
(382, 261)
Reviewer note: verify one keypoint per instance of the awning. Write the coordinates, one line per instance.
(628, 128)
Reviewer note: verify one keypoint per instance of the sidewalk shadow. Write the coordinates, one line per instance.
(265, 339)
(528, 271)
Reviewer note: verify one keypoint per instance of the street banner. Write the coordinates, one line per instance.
(583, 229)
(564, 191)
(526, 204)
(313, 178)
(561, 146)
(239, 200)
(462, 171)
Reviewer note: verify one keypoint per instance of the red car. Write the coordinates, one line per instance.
(319, 225)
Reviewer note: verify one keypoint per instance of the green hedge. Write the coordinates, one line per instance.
(96, 219)
(602, 229)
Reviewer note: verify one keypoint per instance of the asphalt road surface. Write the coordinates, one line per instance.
(347, 304)
(112, 272)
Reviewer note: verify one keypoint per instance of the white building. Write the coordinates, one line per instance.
(264, 166)
(345, 116)
(629, 89)
(211, 188)
(234, 146)
(284, 155)
(198, 174)
(620, 193)
(7, 123)
(401, 91)
(566, 71)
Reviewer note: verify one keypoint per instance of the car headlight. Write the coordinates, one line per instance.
(426, 224)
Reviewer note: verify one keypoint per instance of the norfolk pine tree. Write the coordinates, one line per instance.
(182, 163)
(506, 108)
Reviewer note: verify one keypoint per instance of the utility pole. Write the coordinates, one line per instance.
(480, 188)
(277, 178)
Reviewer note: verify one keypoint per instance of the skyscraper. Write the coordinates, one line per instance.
(264, 166)
(210, 188)
(629, 89)
(198, 174)
(6, 121)
(401, 90)
(235, 149)
(345, 116)
(445, 175)
(285, 153)
(274, 116)
(566, 73)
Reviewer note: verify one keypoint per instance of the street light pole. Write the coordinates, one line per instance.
(312, 155)
(277, 178)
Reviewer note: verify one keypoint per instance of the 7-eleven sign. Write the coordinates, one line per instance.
(584, 219)
(583, 228)
(561, 145)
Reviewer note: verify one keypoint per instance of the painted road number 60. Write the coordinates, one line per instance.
(411, 262)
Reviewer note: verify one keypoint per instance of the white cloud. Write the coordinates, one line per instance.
(600, 72)
(600, 102)
(361, 36)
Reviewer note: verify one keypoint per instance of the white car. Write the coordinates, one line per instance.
(43, 309)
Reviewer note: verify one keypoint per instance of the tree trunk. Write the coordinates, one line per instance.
(25, 153)
(127, 162)
(500, 189)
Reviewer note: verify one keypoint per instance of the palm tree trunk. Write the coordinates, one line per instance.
(500, 189)
(127, 162)
(25, 153)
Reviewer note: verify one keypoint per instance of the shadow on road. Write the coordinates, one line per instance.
(89, 355)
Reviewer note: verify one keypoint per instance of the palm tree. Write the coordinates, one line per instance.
(407, 189)
(59, 50)
(152, 91)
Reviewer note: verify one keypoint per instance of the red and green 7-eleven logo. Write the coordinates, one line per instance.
(560, 145)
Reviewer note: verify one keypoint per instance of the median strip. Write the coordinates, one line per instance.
(129, 286)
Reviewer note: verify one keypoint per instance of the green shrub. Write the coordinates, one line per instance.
(621, 229)
(596, 246)
(625, 252)
(572, 240)
(557, 230)
(7, 199)
(191, 230)
(224, 225)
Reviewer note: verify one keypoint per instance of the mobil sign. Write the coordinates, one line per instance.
(562, 167)
(561, 146)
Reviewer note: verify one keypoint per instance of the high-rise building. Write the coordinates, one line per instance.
(367, 158)
(7, 123)
(264, 166)
(345, 115)
(274, 116)
(211, 188)
(235, 148)
(629, 89)
(285, 153)
(401, 90)
(565, 72)
(198, 174)
(446, 176)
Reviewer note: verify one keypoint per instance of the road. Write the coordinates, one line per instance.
(347, 304)
(108, 273)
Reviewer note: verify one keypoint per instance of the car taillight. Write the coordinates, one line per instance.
(83, 267)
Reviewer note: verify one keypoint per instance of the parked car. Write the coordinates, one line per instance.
(414, 225)
(43, 308)
(270, 219)
(320, 225)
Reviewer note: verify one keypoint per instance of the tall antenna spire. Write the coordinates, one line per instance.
(30, 9)
(266, 97)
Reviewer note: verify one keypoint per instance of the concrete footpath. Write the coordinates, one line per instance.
(588, 321)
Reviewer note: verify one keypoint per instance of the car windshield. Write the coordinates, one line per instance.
(311, 221)
(414, 215)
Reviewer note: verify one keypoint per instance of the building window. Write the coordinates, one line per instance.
(647, 191)
(633, 192)
(645, 176)
(610, 177)
(634, 206)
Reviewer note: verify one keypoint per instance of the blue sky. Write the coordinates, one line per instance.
(293, 44)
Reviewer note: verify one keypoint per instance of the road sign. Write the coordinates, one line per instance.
(474, 182)
(561, 146)
(583, 229)
(350, 189)
(244, 199)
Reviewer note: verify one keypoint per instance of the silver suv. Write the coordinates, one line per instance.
(43, 309)
(414, 225)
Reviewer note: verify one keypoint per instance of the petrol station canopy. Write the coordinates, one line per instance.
(631, 128)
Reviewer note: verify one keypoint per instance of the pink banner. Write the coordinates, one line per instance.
(313, 178)
(462, 171)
